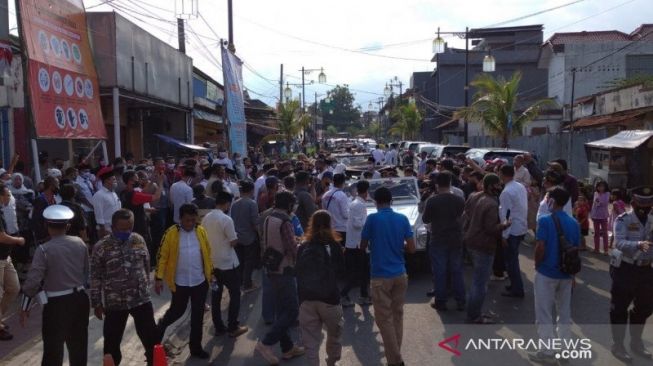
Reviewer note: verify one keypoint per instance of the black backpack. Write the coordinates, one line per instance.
(570, 262)
(316, 277)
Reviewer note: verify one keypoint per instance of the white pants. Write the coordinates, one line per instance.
(550, 294)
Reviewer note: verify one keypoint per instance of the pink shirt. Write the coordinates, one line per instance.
(600, 205)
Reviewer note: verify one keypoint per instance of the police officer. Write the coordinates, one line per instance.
(632, 275)
(56, 278)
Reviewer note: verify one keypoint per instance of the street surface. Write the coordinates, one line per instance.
(424, 328)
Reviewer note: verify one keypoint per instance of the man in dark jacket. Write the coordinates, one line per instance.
(482, 228)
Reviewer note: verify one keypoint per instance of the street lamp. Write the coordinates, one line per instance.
(370, 106)
(287, 92)
(438, 43)
(321, 78)
(489, 64)
(387, 91)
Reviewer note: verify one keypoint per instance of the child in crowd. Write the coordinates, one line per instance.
(581, 212)
(599, 215)
(618, 207)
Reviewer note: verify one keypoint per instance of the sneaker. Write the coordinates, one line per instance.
(220, 330)
(252, 287)
(497, 278)
(346, 302)
(240, 330)
(363, 301)
(5, 335)
(542, 358)
(296, 351)
(207, 307)
(267, 353)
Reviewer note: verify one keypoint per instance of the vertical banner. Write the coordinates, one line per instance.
(233, 90)
(63, 85)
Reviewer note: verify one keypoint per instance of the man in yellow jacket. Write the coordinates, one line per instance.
(185, 266)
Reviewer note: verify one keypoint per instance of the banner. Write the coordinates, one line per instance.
(233, 89)
(63, 85)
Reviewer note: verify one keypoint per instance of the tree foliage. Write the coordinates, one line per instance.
(408, 121)
(495, 105)
(292, 121)
(639, 79)
(341, 102)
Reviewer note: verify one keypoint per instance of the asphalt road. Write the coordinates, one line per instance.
(424, 328)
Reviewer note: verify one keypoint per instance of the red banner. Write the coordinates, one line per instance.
(63, 86)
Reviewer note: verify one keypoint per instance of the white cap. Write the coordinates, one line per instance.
(58, 213)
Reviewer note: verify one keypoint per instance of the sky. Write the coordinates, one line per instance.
(361, 43)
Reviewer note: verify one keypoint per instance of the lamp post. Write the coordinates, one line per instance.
(321, 78)
(327, 100)
(488, 64)
(388, 90)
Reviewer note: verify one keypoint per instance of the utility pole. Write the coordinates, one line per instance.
(303, 91)
(181, 35)
(232, 46)
(281, 85)
(571, 120)
(466, 130)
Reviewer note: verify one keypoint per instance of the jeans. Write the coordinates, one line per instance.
(388, 298)
(180, 297)
(357, 270)
(499, 263)
(65, 320)
(286, 304)
(552, 294)
(482, 263)
(231, 280)
(114, 328)
(511, 254)
(267, 300)
(447, 262)
(247, 256)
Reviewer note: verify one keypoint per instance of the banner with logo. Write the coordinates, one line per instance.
(63, 85)
(232, 70)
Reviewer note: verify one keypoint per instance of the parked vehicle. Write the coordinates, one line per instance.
(491, 153)
(622, 160)
(444, 151)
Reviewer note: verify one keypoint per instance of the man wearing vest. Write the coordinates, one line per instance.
(279, 240)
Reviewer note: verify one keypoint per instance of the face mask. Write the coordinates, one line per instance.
(223, 155)
(114, 185)
(170, 166)
(122, 236)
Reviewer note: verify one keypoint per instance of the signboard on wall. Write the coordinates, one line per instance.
(233, 88)
(63, 85)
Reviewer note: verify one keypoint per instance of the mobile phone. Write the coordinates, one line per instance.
(508, 215)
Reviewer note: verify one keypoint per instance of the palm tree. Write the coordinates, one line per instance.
(408, 121)
(495, 106)
(292, 122)
(331, 131)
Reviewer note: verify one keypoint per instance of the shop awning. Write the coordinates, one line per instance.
(262, 130)
(207, 116)
(180, 144)
(630, 139)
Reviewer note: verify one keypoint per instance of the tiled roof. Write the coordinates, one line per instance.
(642, 31)
(620, 118)
(578, 37)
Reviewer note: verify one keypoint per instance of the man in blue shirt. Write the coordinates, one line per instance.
(385, 233)
(553, 288)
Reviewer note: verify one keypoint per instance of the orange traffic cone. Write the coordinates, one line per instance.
(160, 356)
(108, 360)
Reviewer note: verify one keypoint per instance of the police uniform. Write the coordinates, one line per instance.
(56, 279)
(632, 277)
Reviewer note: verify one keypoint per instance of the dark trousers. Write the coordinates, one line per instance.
(286, 311)
(499, 264)
(511, 253)
(158, 225)
(343, 237)
(180, 298)
(114, 328)
(231, 280)
(447, 267)
(65, 320)
(630, 284)
(247, 256)
(357, 270)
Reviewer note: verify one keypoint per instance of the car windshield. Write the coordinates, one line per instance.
(451, 151)
(402, 189)
(350, 160)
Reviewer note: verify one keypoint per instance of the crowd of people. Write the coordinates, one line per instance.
(102, 238)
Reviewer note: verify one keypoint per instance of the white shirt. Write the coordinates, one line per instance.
(258, 184)
(190, 266)
(9, 213)
(221, 232)
(105, 204)
(232, 187)
(336, 202)
(378, 156)
(340, 169)
(458, 192)
(523, 176)
(391, 157)
(355, 222)
(514, 198)
(543, 209)
(86, 187)
(180, 193)
(224, 161)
